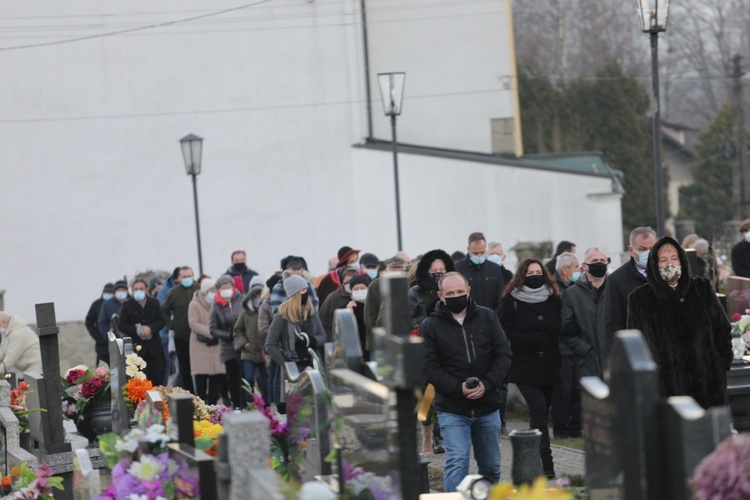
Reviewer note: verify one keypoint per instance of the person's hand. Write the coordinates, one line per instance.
(146, 332)
(474, 393)
(351, 305)
(247, 344)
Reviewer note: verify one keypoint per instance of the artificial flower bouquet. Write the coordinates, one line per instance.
(85, 389)
(141, 464)
(724, 473)
(741, 325)
(19, 407)
(23, 482)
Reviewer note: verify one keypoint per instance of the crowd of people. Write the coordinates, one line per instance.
(542, 327)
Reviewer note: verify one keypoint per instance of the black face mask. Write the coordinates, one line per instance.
(598, 269)
(456, 304)
(240, 268)
(436, 276)
(535, 281)
(304, 299)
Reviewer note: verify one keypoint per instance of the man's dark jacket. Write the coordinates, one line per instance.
(580, 324)
(614, 304)
(486, 281)
(132, 313)
(92, 326)
(741, 259)
(450, 359)
(175, 310)
(246, 276)
(109, 307)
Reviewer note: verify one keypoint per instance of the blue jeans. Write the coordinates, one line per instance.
(250, 370)
(459, 434)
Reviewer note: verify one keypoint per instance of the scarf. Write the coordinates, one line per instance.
(532, 295)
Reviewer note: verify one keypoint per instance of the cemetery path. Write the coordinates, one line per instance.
(568, 461)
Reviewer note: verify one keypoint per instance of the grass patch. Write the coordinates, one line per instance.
(436, 479)
(576, 443)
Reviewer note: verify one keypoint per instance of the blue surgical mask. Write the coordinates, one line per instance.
(575, 276)
(642, 259)
(121, 295)
(107, 296)
(139, 295)
(354, 266)
(186, 282)
(210, 298)
(372, 273)
(478, 260)
(496, 259)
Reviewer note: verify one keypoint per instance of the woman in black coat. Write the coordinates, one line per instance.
(684, 327)
(530, 316)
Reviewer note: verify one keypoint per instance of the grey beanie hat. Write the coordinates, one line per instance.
(294, 284)
(256, 280)
(223, 280)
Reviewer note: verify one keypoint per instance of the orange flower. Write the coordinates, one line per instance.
(23, 385)
(135, 389)
(166, 413)
(5, 483)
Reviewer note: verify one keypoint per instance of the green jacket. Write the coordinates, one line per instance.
(175, 309)
(335, 300)
(246, 331)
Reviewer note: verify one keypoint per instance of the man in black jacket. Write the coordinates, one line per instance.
(92, 324)
(620, 284)
(466, 358)
(141, 319)
(741, 252)
(485, 277)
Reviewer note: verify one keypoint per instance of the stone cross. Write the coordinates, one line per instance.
(119, 349)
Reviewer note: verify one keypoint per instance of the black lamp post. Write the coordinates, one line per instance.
(192, 148)
(653, 14)
(392, 94)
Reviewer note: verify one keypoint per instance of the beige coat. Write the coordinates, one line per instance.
(204, 359)
(19, 349)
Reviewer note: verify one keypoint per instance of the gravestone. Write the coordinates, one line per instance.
(249, 442)
(181, 418)
(9, 427)
(637, 445)
(119, 349)
(87, 484)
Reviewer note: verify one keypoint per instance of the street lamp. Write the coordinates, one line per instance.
(392, 93)
(653, 14)
(192, 148)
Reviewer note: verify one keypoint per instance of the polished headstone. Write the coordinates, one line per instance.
(119, 349)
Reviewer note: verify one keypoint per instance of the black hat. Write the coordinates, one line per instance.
(368, 259)
(360, 279)
(293, 262)
(121, 284)
(153, 284)
(271, 282)
(176, 272)
(109, 288)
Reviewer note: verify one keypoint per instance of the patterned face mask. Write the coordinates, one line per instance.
(671, 273)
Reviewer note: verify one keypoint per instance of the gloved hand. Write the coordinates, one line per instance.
(313, 342)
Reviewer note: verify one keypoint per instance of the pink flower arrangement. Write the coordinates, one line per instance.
(74, 374)
(83, 390)
(724, 473)
(91, 387)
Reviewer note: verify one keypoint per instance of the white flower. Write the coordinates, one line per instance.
(140, 376)
(131, 370)
(138, 348)
(134, 496)
(156, 434)
(131, 359)
(129, 445)
(147, 468)
(743, 323)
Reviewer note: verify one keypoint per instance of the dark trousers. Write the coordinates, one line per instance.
(234, 379)
(183, 358)
(566, 401)
(156, 370)
(538, 399)
(503, 402)
(208, 387)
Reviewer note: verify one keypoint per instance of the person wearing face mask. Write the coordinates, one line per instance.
(495, 254)
(485, 277)
(348, 258)
(741, 252)
(239, 268)
(111, 308)
(374, 302)
(466, 358)
(225, 311)
(294, 330)
(337, 300)
(101, 346)
(530, 316)
(141, 319)
(249, 341)
(684, 326)
(423, 296)
(359, 286)
(208, 371)
(567, 271)
(175, 310)
(620, 284)
(19, 346)
(292, 264)
(370, 265)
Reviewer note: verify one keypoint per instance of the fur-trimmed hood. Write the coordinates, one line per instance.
(660, 287)
(423, 268)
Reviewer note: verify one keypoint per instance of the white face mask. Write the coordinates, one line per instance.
(226, 293)
(359, 295)
(497, 259)
(747, 236)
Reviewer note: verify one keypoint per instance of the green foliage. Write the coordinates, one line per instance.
(708, 200)
(606, 114)
(107, 444)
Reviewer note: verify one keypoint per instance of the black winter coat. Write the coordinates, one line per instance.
(741, 259)
(486, 281)
(92, 326)
(580, 325)
(454, 353)
(131, 314)
(534, 333)
(686, 331)
(614, 304)
(423, 297)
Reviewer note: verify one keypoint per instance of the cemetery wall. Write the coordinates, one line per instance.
(76, 345)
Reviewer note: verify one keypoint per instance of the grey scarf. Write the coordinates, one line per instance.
(532, 295)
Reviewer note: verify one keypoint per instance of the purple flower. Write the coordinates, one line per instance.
(301, 435)
(349, 472)
(724, 473)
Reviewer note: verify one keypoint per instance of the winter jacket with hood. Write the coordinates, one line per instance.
(686, 330)
(580, 324)
(204, 358)
(19, 349)
(246, 330)
(224, 315)
(741, 259)
(423, 296)
(454, 353)
(486, 281)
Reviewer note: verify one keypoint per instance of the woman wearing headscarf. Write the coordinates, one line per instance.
(352, 296)
(208, 371)
(225, 311)
(249, 341)
(530, 316)
(684, 327)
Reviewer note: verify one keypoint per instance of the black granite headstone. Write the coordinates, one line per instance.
(119, 349)
(181, 419)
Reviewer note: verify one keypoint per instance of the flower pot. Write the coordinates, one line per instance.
(101, 420)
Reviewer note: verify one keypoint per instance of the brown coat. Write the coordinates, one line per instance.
(204, 359)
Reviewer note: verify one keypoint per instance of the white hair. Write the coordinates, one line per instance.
(700, 244)
(493, 244)
(591, 250)
(564, 260)
(641, 231)
(4, 316)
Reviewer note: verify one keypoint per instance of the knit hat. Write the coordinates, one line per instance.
(745, 225)
(293, 262)
(223, 280)
(256, 280)
(344, 254)
(271, 282)
(109, 288)
(294, 284)
(153, 284)
(121, 284)
(369, 259)
(395, 261)
(207, 285)
(360, 279)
